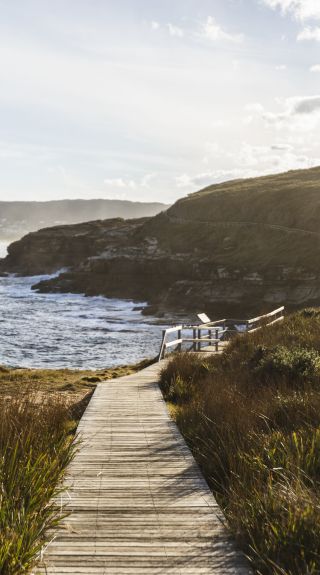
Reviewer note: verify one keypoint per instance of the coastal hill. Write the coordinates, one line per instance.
(242, 245)
(19, 218)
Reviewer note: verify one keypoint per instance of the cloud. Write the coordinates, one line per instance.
(298, 113)
(309, 33)
(281, 67)
(254, 107)
(203, 179)
(212, 31)
(120, 183)
(308, 105)
(300, 9)
(175, 31)
(250, 161)
(209, 30)
(130, 184)
(315, 68)
(145, 181)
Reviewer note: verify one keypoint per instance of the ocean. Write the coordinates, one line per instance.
(71, 330)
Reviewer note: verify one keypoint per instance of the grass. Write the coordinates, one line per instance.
(35, 448)
(289, 200)
(252, 418)
(39, 414)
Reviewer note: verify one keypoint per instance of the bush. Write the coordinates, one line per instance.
(252, 419)
(294, 364)
(35, 449)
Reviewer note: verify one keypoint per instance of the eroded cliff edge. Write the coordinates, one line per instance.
(243, 245)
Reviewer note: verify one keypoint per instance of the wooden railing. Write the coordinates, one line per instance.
(213, 333)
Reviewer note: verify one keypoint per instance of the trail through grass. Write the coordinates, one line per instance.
(252, 418)
(39, 410)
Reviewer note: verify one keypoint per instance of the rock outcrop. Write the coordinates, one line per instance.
(242, 246)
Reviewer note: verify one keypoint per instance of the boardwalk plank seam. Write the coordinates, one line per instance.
(137, 499)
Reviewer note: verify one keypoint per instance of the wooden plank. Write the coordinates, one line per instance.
(139, 504)
(260, 318)
(268, 324)
(173, 343)
(174, 329)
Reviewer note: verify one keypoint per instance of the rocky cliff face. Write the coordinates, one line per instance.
(203, 254)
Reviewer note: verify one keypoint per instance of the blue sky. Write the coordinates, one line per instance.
(152, 99)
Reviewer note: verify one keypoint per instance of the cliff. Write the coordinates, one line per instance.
(243, 245)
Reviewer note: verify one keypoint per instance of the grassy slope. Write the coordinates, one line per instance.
(290, 200)
(252, 418)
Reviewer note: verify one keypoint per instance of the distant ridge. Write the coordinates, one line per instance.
(243, 246)
(20, 218)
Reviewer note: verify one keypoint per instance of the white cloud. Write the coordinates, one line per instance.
(315, 68)
(203, 179)
(130, 184)
(211, 30)
(281, 67)
(155, 25)
(175, 31)
(254, 107)
(309, 33)
(145, 181)
(250, 161)
(298, 113)
(120, 183)
(300, 9)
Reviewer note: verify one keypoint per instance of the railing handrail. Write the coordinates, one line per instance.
(218, 326)
(261, 317)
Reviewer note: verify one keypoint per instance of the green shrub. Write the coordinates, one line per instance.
(252, 419)
(294, 364)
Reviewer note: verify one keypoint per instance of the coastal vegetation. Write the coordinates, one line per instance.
(237, 246)
(39, 414)
(252, 419)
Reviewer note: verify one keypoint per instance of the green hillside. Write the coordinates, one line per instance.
(291, 199)
(244, 247)
(257, 222)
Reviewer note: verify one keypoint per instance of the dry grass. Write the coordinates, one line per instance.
(252, 418)
(39, 414)
(70, 384)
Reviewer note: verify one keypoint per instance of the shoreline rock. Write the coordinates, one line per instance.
(203, 254)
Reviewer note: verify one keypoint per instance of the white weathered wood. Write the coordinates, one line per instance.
(261, 317)
(173, 343)
(174, 329)
(139, 504)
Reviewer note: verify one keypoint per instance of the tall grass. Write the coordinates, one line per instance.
(35, 448)
(252, 418)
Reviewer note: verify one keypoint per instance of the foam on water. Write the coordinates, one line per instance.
(3, 249)
(69, 330)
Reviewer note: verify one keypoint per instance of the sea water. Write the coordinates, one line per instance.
(69, 330)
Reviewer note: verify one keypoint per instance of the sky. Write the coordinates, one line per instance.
(150, 100)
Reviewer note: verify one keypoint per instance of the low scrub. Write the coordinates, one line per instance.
(35, 448)
(252, 418)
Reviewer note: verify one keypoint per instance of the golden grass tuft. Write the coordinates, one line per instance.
(252, 418)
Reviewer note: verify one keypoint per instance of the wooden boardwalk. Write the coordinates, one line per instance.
(139, 504)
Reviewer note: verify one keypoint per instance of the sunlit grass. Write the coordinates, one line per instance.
(35, 450)
(252, 418)
(39, 411)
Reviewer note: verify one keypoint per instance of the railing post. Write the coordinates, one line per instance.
(163, 348)
(210, 336)
(194, 337)
(199, 337)
(179, 337)
(217, 337)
